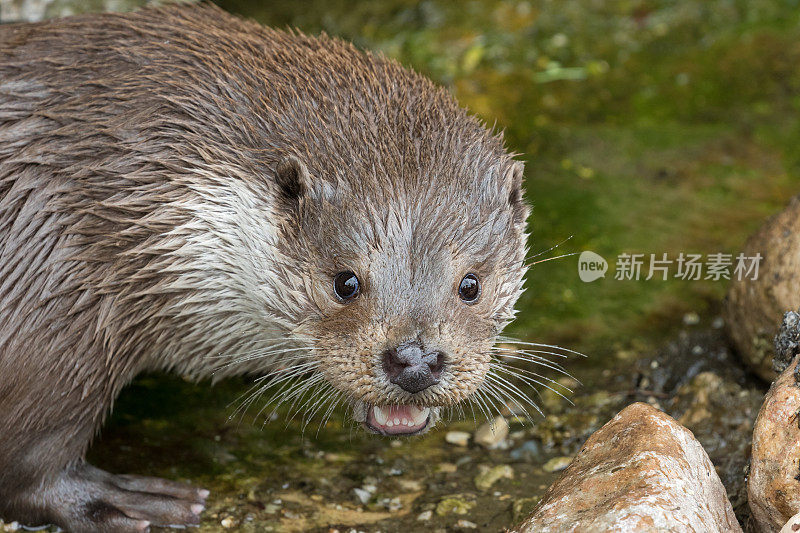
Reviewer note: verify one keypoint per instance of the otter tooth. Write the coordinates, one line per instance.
(389, 423)
(405, 421)
(421, 416)
(396, 421)
(380, 416)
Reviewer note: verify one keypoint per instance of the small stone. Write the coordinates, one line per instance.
(557, 464)
(425, 515)
(362, 495)
(691, 319)
(490, 476)
(410, 485)
(466, 524)
(228, 522)
(453, 505)
(446, 468)
(491, 434)
(529, 451)
(459, 438)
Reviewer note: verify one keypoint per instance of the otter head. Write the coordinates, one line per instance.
(410, 274)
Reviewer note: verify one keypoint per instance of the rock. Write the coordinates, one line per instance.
(523, 507)
(792, 526)
(641, 472)
(466, 524)
(490, 434)
(530, 451)
(459, 438)
(425, 515)
(490, 476)
(228, 523)
(456, 504)
(362, 495)
(773, 490)
(754, 308)
(721, 415)
(557, 464)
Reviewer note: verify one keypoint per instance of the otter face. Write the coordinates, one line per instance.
(409, 287)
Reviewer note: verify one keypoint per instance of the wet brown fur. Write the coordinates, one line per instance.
(119, 134)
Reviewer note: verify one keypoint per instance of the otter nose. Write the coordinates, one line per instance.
(411, 368)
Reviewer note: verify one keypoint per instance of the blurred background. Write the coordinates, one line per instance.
(646, 126)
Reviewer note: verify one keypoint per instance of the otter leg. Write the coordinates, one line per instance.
(87, 499)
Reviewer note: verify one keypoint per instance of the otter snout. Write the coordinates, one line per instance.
(409, 367)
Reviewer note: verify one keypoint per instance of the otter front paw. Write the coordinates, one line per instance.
(87, 499)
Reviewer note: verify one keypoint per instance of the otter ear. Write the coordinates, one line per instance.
(293, 180)
(513, 184)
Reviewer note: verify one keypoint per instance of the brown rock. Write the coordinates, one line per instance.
(754, 308)
(773, 488)
(641, 472)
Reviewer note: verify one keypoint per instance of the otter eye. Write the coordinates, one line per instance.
(345, 285)
(469, 289)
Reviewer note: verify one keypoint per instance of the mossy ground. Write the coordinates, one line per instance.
(646, 126)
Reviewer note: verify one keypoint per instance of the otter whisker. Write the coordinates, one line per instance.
(545, 260)
(529, 351)
(326, 394)
(267, 350)
(284, 379)
(530, 381)
(537, 254)
(279, 376)
(490, 396)
(477, 398)
(312, 404)
(511, 340)
(513, 393)
(527, 376)
(503, 387)
(260, 355)
(294, 395)
(338, 396)
(543, 363)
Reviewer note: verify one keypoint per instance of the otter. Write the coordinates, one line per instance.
(183, 190)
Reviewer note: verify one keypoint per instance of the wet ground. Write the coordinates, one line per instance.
(280, 477)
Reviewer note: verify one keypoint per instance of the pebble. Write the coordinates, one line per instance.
(459, 438)
(492, 433)
(362, 495)
(453, 505)
(557, 464)
(529, 451)
(490, 476)
(228, 522)
(425, 515)
(691, 319)
(446, 468)
(466, 524)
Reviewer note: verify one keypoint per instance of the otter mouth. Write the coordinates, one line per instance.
(397, 420)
